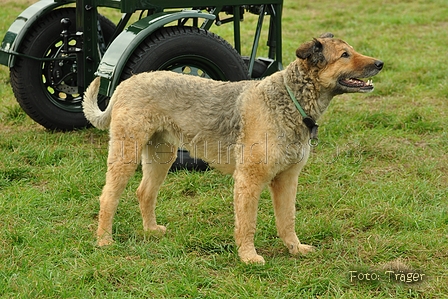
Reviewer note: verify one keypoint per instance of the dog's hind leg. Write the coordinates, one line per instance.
(124, 156)
(283, 190)
(155, 165)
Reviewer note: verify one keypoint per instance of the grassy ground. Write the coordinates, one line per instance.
(373, 198)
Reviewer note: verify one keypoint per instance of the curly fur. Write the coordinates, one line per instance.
(250, 129)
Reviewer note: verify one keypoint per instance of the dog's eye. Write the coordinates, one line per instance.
(345, 55)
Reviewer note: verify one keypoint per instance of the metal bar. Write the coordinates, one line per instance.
(275, 33)
(80, 56)
(272, 33)
(256, 39)
(237, 28)
(278, 36)
(133, 5)
(36, 58)
(208, 22)
(89, 58)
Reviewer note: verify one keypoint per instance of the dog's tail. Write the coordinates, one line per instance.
(100, 119)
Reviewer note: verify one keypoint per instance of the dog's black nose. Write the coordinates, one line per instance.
(379, 64)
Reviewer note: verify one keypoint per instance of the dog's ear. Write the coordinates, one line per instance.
(309, 49)
(327, 35)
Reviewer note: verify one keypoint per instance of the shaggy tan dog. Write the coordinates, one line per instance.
(250, 129)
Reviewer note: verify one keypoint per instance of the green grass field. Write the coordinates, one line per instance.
(373, 197)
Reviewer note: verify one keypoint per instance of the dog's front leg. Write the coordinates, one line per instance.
(246, 195)
(283, 190)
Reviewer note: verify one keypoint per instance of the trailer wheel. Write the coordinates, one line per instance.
(187, 50)
(191, 51)
(47, 90)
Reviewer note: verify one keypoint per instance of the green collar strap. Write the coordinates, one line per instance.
(308, 121)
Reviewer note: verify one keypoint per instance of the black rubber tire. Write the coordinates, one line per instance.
(191, 51)
(56, 107)
(187, 50)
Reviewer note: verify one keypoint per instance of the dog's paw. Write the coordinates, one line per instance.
(157, 230)
(256, 259)
(300, 248)
(105, 241)
(304, 249)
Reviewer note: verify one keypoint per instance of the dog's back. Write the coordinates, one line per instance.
(257, 130)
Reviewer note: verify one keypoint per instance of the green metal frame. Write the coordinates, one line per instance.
(109, 67)
(18, 29)
(116, 56)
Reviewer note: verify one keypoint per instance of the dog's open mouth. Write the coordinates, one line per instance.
(357, 83)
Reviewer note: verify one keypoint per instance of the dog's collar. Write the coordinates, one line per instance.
(308, 121)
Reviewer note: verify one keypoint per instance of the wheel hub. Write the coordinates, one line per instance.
(59, 78)
(63, 76)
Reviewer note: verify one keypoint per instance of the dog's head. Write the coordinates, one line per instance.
(339, 67)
